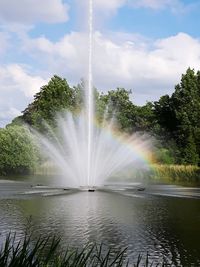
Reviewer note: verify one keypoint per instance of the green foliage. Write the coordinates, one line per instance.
(18, 153)
(179, 116)
(44, 253)
(164, 156)
(80, 96)
(118, 105)
(182, 174)
(186, 103)
(145, 119)
(53, 97)
(172, 120)
(165, 113)
(130, 118)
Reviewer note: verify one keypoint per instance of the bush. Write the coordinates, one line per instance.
(18, 153)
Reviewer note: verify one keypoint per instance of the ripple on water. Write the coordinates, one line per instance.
(163, 227)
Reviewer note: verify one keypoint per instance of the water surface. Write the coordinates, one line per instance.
(161, 220)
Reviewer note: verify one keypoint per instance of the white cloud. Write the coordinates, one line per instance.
(104, 6)
(14, 77)
(9, 114)
(109, 5)
(149, 68)
(155, 4)
(17, 89)
(67, 56)
(112, 5)
(31, 11)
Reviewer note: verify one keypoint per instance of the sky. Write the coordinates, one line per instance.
(142, 45)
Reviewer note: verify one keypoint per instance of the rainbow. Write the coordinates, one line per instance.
(140, 147)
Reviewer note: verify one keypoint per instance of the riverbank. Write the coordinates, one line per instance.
(187, 175)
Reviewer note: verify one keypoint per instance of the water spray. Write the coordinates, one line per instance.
(89, 101)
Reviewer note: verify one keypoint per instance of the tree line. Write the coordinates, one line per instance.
(172, 120)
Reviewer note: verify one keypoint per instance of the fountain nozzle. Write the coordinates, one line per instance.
(91, 190)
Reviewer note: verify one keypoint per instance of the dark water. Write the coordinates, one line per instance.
(161, 220)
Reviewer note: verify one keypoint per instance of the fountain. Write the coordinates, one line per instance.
(113, 154)
(89, 100)
(87, 154)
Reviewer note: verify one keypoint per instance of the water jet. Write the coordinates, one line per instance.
(85, 153)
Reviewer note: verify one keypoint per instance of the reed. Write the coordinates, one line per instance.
(46, 168)
(45, 253)
(185, 174)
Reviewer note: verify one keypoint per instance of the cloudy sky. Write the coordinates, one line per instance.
(143, 45)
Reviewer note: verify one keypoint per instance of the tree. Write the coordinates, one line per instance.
(173, 120)
(118, 104)
(186, 103)
(145, 119)
(80, 96)
(179, 116)
(18, 154)
(53, 97)
(165, 114)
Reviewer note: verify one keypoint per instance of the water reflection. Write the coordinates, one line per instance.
(162, 226)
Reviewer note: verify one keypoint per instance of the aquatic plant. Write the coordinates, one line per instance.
(45, 252)
(185, 174)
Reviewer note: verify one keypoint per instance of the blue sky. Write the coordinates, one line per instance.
(143, 45)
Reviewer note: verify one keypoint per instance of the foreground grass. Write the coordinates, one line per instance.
(183, 174)
(44, 253)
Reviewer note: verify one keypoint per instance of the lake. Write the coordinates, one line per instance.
(163, 220)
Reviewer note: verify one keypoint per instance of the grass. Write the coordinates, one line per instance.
(46, 168)
(176, 174)
(45, 253)
(186, 175)
(181, 174)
